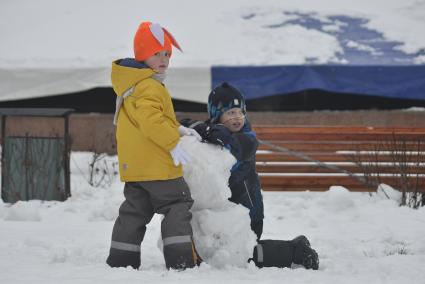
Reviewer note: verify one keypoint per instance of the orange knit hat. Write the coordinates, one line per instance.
(151, 38)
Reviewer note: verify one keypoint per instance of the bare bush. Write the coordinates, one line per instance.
(402, 168)
(102, 170)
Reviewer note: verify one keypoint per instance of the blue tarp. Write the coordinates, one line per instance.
(404, 82)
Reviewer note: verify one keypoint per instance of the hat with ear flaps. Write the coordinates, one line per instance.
(151, 38)
(222, 98)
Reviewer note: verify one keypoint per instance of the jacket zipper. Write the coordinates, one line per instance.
(247, 192)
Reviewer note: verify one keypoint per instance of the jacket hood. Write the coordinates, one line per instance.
(128, 72)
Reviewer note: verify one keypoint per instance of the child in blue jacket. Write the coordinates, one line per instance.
(229, 127)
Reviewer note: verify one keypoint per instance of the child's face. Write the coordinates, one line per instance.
(233, 119)
(159, 61)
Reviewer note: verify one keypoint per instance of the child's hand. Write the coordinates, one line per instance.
(179, 155)
(219, 134)
(184, 131)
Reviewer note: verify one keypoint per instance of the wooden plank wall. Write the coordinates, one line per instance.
(359, 157)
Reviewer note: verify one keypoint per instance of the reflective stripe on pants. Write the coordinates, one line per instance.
(125, 246)
(177, 240)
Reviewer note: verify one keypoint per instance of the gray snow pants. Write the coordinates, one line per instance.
(142, 199)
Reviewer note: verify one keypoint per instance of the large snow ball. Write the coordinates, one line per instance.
(223, 236)
(221, 229)
(207, 173)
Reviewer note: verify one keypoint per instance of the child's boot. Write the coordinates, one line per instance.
(304, 254)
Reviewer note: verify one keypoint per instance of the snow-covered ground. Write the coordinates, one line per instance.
(360, 238)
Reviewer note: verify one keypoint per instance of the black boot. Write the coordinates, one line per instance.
(304, 254)
(122, 258)
(181, 256)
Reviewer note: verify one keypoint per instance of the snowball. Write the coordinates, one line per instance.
(221, 229)
(207, 173)
(223, 237)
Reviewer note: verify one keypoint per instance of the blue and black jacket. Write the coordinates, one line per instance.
(244, 181)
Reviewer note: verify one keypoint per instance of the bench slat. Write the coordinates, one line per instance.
(332, 157)
(320, 182)
(291, 168)
(343, 136)
(340, 145)
(336, 133)
(261, 129)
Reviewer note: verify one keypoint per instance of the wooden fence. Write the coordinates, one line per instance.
(358, 158)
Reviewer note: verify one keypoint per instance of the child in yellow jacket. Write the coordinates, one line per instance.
(149, 154)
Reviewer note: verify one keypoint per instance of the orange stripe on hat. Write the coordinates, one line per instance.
(151, 38)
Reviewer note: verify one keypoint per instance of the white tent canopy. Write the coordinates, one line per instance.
(185, 83)
(52, 47)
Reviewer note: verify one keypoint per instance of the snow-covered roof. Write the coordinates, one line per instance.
(79, 39)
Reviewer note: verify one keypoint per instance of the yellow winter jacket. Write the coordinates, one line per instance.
(146, 127)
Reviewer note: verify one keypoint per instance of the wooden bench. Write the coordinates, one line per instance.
(358, 158)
